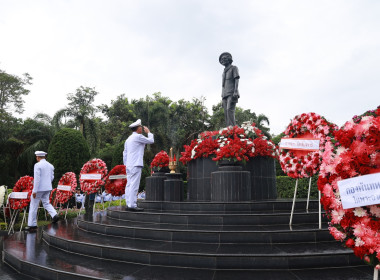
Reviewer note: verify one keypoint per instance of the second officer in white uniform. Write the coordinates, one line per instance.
(133, 160)
(42, 185)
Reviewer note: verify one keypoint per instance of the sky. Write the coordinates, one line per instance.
(293, 56)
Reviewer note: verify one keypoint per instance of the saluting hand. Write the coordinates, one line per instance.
(146, 130)
(34, 195)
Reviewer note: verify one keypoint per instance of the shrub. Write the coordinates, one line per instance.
(285, 187)
(68, 151)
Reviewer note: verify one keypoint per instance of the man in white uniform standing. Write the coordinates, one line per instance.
(42, 185)
(133, 160)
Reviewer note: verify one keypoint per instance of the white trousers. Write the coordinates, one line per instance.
(132, 187)
(33, 208)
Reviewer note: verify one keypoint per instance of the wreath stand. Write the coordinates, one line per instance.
(14, 215)
(375, 274)
(63, 188)
(307, 205)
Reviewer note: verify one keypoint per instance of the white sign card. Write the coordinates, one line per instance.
(64, 188)
(308, 144)
(360, 191)
(91, 176)
(19, 195)
(120, 176)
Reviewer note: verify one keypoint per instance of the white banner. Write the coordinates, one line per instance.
(360, 191)
(64, 188)
(307, 144)
(91, 176)
(120, 176)
(19, 195)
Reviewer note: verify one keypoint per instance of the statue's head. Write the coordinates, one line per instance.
(225, 57)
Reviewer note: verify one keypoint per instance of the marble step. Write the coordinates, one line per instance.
(105, 225)
(211, 218)
(199, 255)
(246, 206)
(27, 254)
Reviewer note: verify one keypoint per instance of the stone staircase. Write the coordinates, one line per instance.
(187, 240)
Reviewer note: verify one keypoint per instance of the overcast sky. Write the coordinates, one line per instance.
(293, 56)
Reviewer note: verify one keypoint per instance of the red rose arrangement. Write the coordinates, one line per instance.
(303, 164)
(94, 166)
(160, 160)
(357, 153)
(116, 187)
(24, 184)
(232, 143)
(68, 179)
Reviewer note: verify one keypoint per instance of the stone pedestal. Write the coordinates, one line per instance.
(173, 187)
(230, 183)
(199, 179)
(154, 187)
(263, 178)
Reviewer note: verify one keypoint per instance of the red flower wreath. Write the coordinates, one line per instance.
(303, 164)
(68, 179)
(94, 166)
(53, 195)
(357, 153)
(116, 187)
(24, 184)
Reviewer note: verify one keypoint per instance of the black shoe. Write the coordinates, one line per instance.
(136, 209)
(31, 229)
(55, 219)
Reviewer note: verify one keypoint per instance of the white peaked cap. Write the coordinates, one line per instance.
(136, 123)
(40, 153)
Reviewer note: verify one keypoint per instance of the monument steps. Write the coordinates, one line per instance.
(190, 240)
(46, 262)
(102, 224)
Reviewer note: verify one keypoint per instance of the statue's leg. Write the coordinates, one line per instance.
(225, 109)
(231, 106)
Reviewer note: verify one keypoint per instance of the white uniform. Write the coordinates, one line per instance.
(133, 160)
(43, 177)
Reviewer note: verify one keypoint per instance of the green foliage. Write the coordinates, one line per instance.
(285, 187)
(117, 156)
(68, 151)
(106, 154)
(12, 89)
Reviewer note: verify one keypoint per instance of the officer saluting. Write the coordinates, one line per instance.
(133, 160)
(43, 178)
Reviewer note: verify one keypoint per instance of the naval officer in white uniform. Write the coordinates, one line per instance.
(133, 160)
(42, 185)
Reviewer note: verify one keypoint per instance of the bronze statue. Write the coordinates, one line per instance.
(230, 91)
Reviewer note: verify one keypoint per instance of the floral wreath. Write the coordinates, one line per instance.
(68, 179)
(357, 153)
(116, 187)
(24, 184)
(94, 166)
(231, 143)
(2, 195)
(160, 160)
(306, 164)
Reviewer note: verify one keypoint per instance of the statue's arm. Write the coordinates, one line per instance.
(236, 90)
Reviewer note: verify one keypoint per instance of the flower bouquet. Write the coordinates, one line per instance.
(160, 162)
